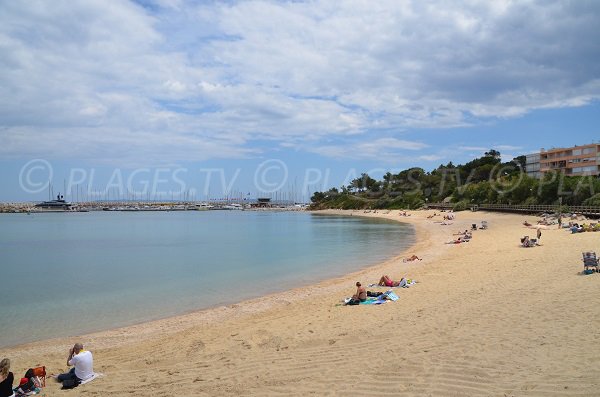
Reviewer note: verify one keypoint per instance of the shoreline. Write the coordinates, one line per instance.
(219, 311)
(486, 318)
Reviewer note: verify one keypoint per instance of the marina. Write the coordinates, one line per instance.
(60, 205)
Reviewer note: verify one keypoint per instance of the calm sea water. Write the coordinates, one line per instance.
(71, 273)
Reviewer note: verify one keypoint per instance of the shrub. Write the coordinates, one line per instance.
(594, 200)
(460, 206)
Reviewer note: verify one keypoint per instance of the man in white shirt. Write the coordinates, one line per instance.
(82, 362)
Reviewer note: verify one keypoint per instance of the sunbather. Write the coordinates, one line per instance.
(412, 258)
(360, 296)
(361, 292)
(386, 281)
(460, 240)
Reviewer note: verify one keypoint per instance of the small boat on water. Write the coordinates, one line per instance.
(204, 207)
(233, 206)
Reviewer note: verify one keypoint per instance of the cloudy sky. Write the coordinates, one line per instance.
(295, 89)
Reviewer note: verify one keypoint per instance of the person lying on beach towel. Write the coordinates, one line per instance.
(412, 258)
(459, 240)
(408, 282)
(386, 281)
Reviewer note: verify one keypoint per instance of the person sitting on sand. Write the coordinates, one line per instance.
(528, 242)
(412, 258)
(6, 379)
(386, 281)
(82, 362)
(360, 296)
(526, 224)
(361, 292)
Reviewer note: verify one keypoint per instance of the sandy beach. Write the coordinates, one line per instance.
(486, 318)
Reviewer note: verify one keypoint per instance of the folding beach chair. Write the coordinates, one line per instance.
(590, 261)
(484, 225)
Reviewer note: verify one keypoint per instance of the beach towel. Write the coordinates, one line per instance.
(373, 301)
(369, 301)
(391, 295)
(91, 378)
(29, 393)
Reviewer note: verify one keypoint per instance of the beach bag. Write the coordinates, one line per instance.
(38, 375)
(25, 386)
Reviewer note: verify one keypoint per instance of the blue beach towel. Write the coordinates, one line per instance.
(391, 295)
(373, 301)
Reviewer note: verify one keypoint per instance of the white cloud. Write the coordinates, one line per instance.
(180, 81)
(382, 149)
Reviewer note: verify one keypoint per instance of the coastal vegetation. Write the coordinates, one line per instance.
(484, 180)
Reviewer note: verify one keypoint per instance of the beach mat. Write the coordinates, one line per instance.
(88, 380)
(373, 301)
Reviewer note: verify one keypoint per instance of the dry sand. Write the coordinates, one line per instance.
(487, 318)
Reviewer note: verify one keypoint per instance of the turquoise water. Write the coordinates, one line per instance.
(72, 273)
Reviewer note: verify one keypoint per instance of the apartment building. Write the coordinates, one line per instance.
(532, 165)
(573, 161)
